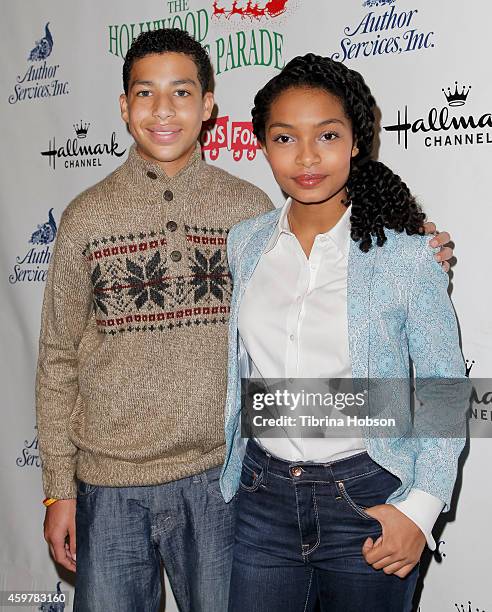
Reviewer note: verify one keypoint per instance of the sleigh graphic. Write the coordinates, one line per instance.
(251, 10)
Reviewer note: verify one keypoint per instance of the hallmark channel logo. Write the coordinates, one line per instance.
(439, 549)
(481, 397)
(461, 607)
(468, 607)
(221, 134)
(41, 79)
(445, 125)
(251, 11)
(29, 455)
(32, 267)
(77, 154)
(383, 33)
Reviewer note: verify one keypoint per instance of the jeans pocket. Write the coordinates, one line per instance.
(251, 478)
(358, 509)
(84, 488)
(213, 483)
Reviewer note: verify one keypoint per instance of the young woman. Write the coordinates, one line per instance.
(338, 283)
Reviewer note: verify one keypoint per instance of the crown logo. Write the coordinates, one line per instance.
(468, 366)
(461, 608)
(81, 129)
(456, 98)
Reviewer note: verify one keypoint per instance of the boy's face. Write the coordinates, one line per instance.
(164, 108)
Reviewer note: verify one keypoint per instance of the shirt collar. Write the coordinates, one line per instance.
(339, 234)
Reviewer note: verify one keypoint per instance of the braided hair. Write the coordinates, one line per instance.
(379, 197)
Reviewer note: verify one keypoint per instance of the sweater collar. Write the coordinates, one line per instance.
(143, 171)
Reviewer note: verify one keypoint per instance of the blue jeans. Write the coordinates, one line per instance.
(300, 528)
(123, 534)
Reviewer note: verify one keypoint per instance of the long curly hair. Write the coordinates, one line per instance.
(379, 198)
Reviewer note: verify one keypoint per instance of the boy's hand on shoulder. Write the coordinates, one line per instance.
(399, 548)
(59, 524)
(440, 240)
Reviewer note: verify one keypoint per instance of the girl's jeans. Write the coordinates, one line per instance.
(300, 528)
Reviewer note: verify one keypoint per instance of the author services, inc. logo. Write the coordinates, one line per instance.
(32, 266)
(385, 31)
(41, 79)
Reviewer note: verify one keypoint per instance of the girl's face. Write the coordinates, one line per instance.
(309, 145)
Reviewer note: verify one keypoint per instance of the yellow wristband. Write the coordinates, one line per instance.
(49, 500)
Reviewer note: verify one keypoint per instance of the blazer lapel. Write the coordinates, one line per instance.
(359, 280)
(253, 250)
(249, 250)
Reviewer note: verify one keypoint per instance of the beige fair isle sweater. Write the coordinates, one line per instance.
(131, 379)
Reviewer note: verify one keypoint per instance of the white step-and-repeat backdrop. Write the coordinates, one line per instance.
(428, 66)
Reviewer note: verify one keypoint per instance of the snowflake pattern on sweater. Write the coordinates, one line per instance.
(134, 288)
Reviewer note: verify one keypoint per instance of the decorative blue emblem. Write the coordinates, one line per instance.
(43, 47)
(371, 3)
(45, 233)
(58, 606)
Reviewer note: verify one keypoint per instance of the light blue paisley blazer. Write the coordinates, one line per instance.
(397, 306)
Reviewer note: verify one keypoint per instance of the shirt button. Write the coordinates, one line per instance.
(176, 256)
(296, 471)
(291, 337)
(172, 226)
(168, 195)
(151, 175)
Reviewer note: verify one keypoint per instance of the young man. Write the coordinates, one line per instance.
(131, 378)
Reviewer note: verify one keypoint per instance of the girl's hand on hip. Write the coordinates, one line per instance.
(398, 550)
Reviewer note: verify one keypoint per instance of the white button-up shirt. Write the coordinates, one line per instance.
(293, 324)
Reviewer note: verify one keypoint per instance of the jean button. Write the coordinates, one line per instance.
(296, 471)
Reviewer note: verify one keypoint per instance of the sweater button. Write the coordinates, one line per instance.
(168, 195)
(175, 255)
(172, 226)
(151, 175)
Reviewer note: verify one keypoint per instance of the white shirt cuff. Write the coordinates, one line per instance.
(423, 509)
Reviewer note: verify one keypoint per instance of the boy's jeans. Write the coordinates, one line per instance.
(123, 534)
(299, 534)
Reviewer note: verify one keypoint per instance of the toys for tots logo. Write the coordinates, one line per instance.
(221, 134)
